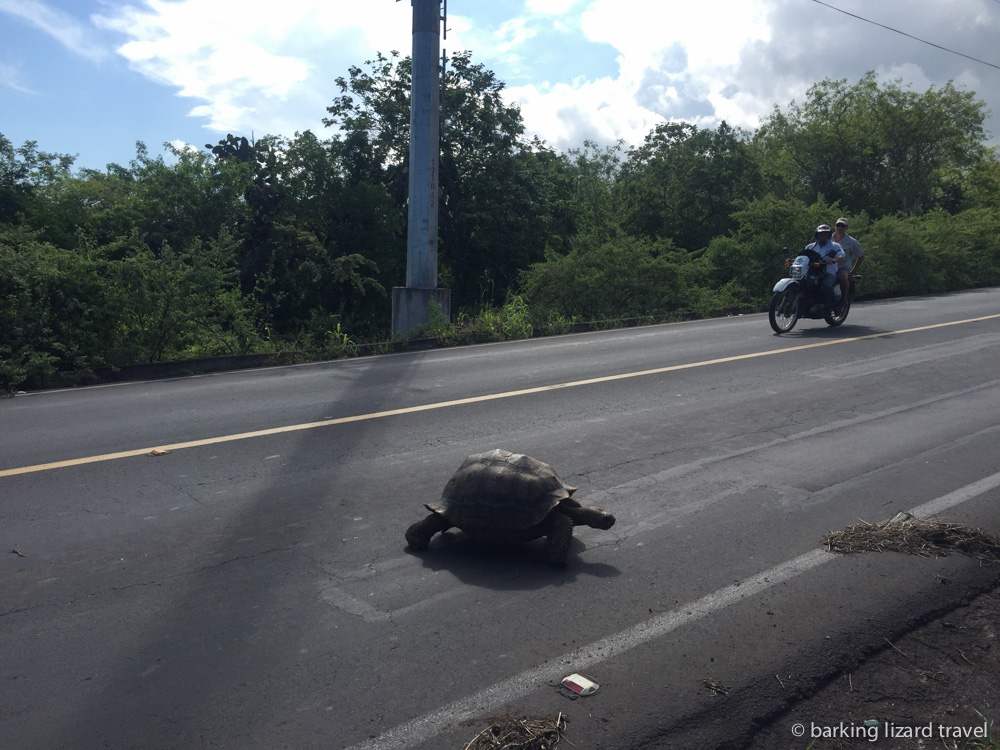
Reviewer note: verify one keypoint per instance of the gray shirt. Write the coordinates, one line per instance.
(852, 251)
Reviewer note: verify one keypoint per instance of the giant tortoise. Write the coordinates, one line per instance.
(501, 497)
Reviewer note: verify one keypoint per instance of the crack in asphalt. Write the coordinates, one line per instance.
(192, 496)
(15, 611)
(91, 595)
(628, 462)
(240, 557)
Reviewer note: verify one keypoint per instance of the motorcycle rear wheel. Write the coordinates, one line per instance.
(839, 313)
(783, 313)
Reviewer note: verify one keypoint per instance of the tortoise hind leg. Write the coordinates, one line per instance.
(588, 516)
(418, 536)
(559, 538)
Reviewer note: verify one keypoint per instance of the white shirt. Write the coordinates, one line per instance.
(830, 249)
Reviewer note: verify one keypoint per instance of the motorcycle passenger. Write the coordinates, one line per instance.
(854, 256)
(832, 254)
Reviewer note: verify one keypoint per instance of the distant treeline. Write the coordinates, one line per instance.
(293, 243)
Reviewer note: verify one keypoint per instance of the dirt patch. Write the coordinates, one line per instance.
(936, 687)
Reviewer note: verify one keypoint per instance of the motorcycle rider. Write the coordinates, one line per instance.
(832, 254)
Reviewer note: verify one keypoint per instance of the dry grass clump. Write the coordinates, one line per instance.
(926, 537)
(510, 733)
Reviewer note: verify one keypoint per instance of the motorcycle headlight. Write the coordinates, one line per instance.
(799, 268)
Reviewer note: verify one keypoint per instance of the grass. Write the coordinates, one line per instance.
(925, 537)
(512, 733)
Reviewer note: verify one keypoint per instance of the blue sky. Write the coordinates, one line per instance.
(91, 77)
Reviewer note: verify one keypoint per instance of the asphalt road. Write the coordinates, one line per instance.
(250, 587)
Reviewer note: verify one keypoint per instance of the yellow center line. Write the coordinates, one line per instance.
(462, 401)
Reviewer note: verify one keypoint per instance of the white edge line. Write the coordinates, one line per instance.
(959, 496)
(425, 727)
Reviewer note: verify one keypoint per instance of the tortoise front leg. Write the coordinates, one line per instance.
(418, 536)
(560, 537)
(589, 516)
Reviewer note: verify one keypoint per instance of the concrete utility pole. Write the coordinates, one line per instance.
(410, 304)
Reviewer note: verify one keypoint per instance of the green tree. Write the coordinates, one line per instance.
(503, 197)
(372, 113)
(55, 313)
(594, 202)
(874, 147)
(23, 170)
(176, 203)
(684, 183)
(175, 304)
(309, 235)
(980, 187)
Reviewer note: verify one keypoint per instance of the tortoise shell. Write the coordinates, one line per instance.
(499, 491)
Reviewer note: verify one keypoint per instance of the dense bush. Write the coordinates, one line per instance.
(177, 304)
(56, 313)
(617, 278)
(937, 252)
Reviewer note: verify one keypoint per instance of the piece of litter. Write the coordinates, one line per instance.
(158, 452)
(717, 687)
(580, 685)
(17, 552)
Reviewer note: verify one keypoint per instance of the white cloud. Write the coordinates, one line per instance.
(550, 7)
(598, 69)
(513, 33)
(252, 65)
(180, 146)
(56, 24)
(711, 33)
(735, 60)
(10, 77)
(672, 64)
(778, 71)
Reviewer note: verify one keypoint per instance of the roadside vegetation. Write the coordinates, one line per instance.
(294, 243)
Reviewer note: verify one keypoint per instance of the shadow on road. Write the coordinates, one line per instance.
(520, 567)
(210, 658)
(823, 331)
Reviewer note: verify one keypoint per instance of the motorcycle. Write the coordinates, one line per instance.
(799, 296)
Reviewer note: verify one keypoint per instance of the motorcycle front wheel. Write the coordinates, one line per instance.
(784, 311)
(839, 313)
